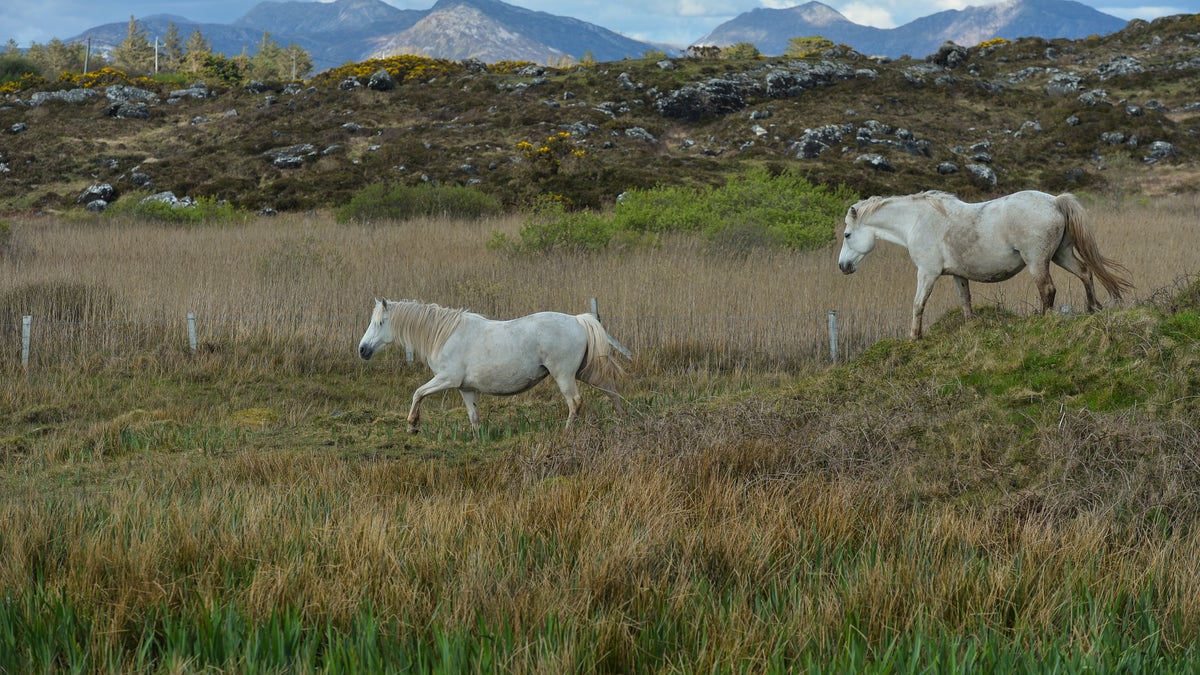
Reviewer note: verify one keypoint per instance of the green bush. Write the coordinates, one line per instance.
(780, 210)
(402, 202)
(552, 227)
(13, 68)
(755, 210)
(205, 210)
(662, 209)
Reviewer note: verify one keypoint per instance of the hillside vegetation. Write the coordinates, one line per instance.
(1030, 113)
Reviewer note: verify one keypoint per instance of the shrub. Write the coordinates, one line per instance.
(741, 50)
(782, 210)
(380, 201)
(205, 210)
(552, 227)
(808, 46)
(14, 68)
(754, 210)
(661, 209)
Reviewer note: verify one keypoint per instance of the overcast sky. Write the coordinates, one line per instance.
(679, 22)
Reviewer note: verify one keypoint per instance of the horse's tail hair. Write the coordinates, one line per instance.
(1112, 275)
(604, 361)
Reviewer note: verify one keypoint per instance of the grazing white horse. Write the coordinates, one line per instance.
(476, 355)
(988, 241)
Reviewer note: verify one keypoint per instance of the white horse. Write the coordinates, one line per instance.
(476, 355)
(988, 241)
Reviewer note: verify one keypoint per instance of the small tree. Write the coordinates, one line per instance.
(267, 62)
(171, 59)
(301, 64)
(135, 53)
(62, 57)
(741, 50)
(272, 62)
(228, 71)
(807, 46)
(197, 51)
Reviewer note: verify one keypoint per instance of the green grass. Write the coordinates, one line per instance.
(1009, 494)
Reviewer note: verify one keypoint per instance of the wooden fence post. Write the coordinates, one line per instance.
(191, 320)
(833, 336)
(26, 326)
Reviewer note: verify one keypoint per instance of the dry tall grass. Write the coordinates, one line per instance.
(309, 278)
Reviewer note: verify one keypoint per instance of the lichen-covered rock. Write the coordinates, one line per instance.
(97, 192)
(381, 80)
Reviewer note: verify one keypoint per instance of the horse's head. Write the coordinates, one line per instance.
(857, 242)
(379, 331)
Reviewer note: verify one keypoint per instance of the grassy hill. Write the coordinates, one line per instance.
(634, 123)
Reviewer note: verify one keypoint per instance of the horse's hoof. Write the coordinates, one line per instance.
(414, 429)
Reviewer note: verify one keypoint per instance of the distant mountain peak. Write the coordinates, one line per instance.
(770, 29)
(819, 14)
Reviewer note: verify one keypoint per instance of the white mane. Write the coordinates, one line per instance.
(424, 327)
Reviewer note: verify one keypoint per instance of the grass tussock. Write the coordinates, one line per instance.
(1014, 492)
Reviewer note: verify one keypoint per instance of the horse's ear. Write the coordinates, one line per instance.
(853, 213)
(384, 303)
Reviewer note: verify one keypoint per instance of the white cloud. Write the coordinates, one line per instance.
(1144, 12)
(868, 15)
(943, 5)
(709, 8)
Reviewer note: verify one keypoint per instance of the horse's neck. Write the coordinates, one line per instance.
(897, 228)
(424, 328)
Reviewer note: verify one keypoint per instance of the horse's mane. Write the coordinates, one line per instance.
(936, 198)
(424, 326)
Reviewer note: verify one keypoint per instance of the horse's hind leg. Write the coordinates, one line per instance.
(1045, 285)
(611, 391)
(1065, 258)
(570, 391)
(964, 296)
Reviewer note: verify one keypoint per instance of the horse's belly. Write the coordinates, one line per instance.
(503, 381)
(998, 269)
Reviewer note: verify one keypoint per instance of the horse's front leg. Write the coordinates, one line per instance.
(471, 400)
(925, 283)
(964, 296)
(438, 383)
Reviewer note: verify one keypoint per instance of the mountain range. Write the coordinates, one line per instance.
(346, 31)
(770, 29)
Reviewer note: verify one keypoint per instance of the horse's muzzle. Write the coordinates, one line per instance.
(365, 351)
(846, 267)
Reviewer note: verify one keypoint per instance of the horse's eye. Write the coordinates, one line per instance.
(847, 235)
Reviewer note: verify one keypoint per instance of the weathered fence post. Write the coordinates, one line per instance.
(833, 336)
(191, 319)
(26, 326)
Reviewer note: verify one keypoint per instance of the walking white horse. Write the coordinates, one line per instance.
(476, 355)
(989, 241)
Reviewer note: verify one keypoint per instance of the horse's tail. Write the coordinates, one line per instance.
(1112, 275)
(604, 361)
